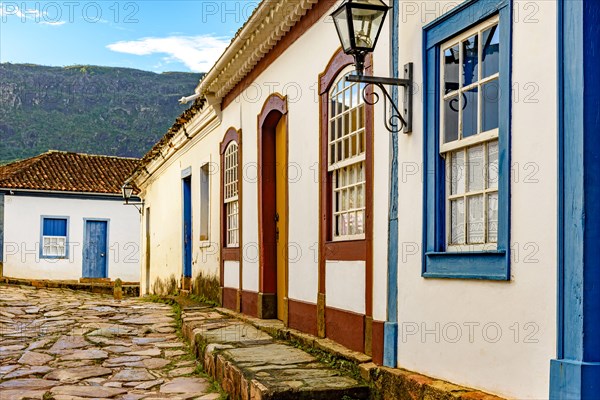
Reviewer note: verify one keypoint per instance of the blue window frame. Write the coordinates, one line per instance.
(54, 237)
(440, 258)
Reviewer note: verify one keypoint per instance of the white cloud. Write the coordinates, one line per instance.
(198, 53)
(53, 23)
(32, 14)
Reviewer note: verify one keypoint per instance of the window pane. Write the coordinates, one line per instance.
(451, 119)
(451, 63)
(489, 108)
(469, 113)
(470, 60)
(476, 168)
(491, 51)
(475, 228)
(492, 180)
(457, 183)
(457, 216)
(492, 218)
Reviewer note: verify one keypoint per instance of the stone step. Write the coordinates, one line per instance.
(250, 364)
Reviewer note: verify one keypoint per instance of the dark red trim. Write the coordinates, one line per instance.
(230, 298)
(347, 250)
(249, 303)
(302, 316)
(311, 17)
(230, 253)
(377, 342)
(274, 108)
(346, 328)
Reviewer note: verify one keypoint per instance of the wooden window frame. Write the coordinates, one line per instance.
(344, 250)
(438, 260)
(230, 253)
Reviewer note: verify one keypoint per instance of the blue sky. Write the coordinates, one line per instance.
(153, 35)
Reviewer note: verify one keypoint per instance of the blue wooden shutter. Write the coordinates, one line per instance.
(55, 227)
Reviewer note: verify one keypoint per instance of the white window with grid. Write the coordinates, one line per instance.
(54, 237)
(469, 136)
(230, 190)
(54, 246)
(346, 159)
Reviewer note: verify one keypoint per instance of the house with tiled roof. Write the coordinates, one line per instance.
(463, 246)
(62, 218)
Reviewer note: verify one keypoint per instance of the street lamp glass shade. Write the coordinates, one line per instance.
(127, 191)
(358, 24)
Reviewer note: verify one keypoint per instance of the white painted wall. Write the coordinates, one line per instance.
(162, 193)
(430, 310)
(516, 364)
(22, 226)
(345, 285)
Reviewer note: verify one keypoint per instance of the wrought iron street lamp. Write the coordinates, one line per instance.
(127, 192)
(358, 24)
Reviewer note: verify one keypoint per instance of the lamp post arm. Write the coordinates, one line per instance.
(376, 80)
(405, 117)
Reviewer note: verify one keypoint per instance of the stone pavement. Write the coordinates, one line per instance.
(70, 345)
(250, 364)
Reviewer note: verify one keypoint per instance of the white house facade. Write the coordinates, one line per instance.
(62, 218)
(457, 250)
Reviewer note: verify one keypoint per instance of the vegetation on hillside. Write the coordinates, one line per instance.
(89, 109)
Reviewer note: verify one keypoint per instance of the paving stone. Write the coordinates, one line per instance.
(34, 358)
(147, 352)
(148, 340)
(185, 385)
(174, 353)
(117, 349)
(76, 374)
(40, 344)
(67, 342)
(124, 360)
(28, 384)
(153, 363)
(14, 347)
(6, 369)
(149, 384)
(87, 391)
(181, 371)
(50, 314)
(210, 396)
(36, 370)
(22, 394)
(129, 375)
(113, 384)
(92, 354)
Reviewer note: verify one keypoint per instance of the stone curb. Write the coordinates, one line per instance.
(390, 383)
(98, 288)
(238, 377)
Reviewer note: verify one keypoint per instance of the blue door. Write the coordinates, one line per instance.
(95, 250)
(187, 226)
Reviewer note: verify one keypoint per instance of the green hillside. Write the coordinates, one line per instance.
(89, 109)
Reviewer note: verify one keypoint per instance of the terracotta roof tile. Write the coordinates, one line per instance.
(68, 172)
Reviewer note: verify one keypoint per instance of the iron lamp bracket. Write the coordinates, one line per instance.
(396, 121)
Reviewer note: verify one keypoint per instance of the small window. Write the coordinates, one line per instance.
(230, 186)
(54, 237)
(347, 151)
(204, 201)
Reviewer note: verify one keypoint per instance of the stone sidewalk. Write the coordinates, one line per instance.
(250, 364)
(70, 345)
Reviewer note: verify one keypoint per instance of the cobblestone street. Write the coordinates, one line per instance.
(64, 345)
